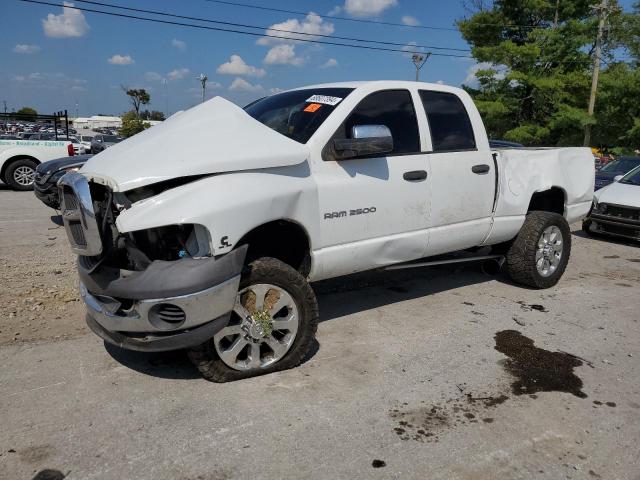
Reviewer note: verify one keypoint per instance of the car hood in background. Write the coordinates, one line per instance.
(213, 137)
(620, 194)
(47, 168)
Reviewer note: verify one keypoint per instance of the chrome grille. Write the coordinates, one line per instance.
(77, 233)
(69, 199)
(78, 215)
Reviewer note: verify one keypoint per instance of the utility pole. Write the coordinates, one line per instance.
(203, 79)
(419, 61)
(166, 97)
(603, 10)
(5, 114)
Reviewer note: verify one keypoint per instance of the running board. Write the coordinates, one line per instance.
(402, 266)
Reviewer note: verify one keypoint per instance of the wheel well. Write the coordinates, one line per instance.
(282, 239)
(551, 200)
(9, 161)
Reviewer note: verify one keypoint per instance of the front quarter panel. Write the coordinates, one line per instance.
(232, 204)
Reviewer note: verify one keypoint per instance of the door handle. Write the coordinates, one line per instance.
(480, 169)
(415, 175)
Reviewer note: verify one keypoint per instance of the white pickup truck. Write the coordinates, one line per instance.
(19, 159)
(211, 245)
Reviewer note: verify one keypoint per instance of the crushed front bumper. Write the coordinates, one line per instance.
(168, 306)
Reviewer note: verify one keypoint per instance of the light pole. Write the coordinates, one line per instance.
(166, 97)
(419, 61)
(203, 79)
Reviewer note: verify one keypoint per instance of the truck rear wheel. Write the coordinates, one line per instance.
(20, 174)
(540, 253)
(272, 326)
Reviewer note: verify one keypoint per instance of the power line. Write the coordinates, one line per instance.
(361, 20)
(241, 32)
(292, 32)
(265, 34)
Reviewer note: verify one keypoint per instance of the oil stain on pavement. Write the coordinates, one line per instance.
(535, 369)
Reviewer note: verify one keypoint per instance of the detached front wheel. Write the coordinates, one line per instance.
(540, 253)
(272, 326)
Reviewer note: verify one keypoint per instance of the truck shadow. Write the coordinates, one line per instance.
(337, 298)
(368, 290)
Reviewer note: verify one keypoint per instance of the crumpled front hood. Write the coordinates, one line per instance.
(213, 137)
(620, 194)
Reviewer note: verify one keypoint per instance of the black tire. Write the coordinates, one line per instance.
(521, 261)
(586, 227)
(272, 271)
(10, 173)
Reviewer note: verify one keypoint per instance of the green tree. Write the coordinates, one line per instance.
(132, 124)
(152, 115)
(536, 58)
(137, 97)
(30, 114)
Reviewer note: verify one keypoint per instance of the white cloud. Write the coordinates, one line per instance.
(153, 77)
(368, 8)
(410, 48)
(237, 66)
(284, 54)
(440, 82)
(70, 23)
(332, 62)
(335, 11)
(50, 81)
(121, 60)
(26, 49)
(312, 26)
(241, 85)
(178, 74)
(411, 21)
(471, 79)
(275, 90)
(179, 44)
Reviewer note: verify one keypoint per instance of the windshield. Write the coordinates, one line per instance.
(111, 139)
(622, 165)
(632, 178)
(299, 113)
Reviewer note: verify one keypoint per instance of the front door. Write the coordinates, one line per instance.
(374, 211)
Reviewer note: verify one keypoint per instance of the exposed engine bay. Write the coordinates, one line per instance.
(136, 250)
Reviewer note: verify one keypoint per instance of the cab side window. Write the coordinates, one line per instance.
(393, 108)
(448, 122)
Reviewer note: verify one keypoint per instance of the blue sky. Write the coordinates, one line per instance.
(53, 60)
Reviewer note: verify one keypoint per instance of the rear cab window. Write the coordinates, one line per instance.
(449, 122)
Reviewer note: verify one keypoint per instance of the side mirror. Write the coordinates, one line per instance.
(365, 140)
(617, 178)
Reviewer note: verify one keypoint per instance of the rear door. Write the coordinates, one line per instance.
(462, 176)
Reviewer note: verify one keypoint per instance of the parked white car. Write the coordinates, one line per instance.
(616, 208)
(212, 245)
(19, 159)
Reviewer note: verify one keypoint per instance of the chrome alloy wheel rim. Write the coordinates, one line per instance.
(549, 252)
(262, 328)
(24, 175)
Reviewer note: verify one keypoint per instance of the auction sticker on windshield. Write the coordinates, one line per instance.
(326, 99)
